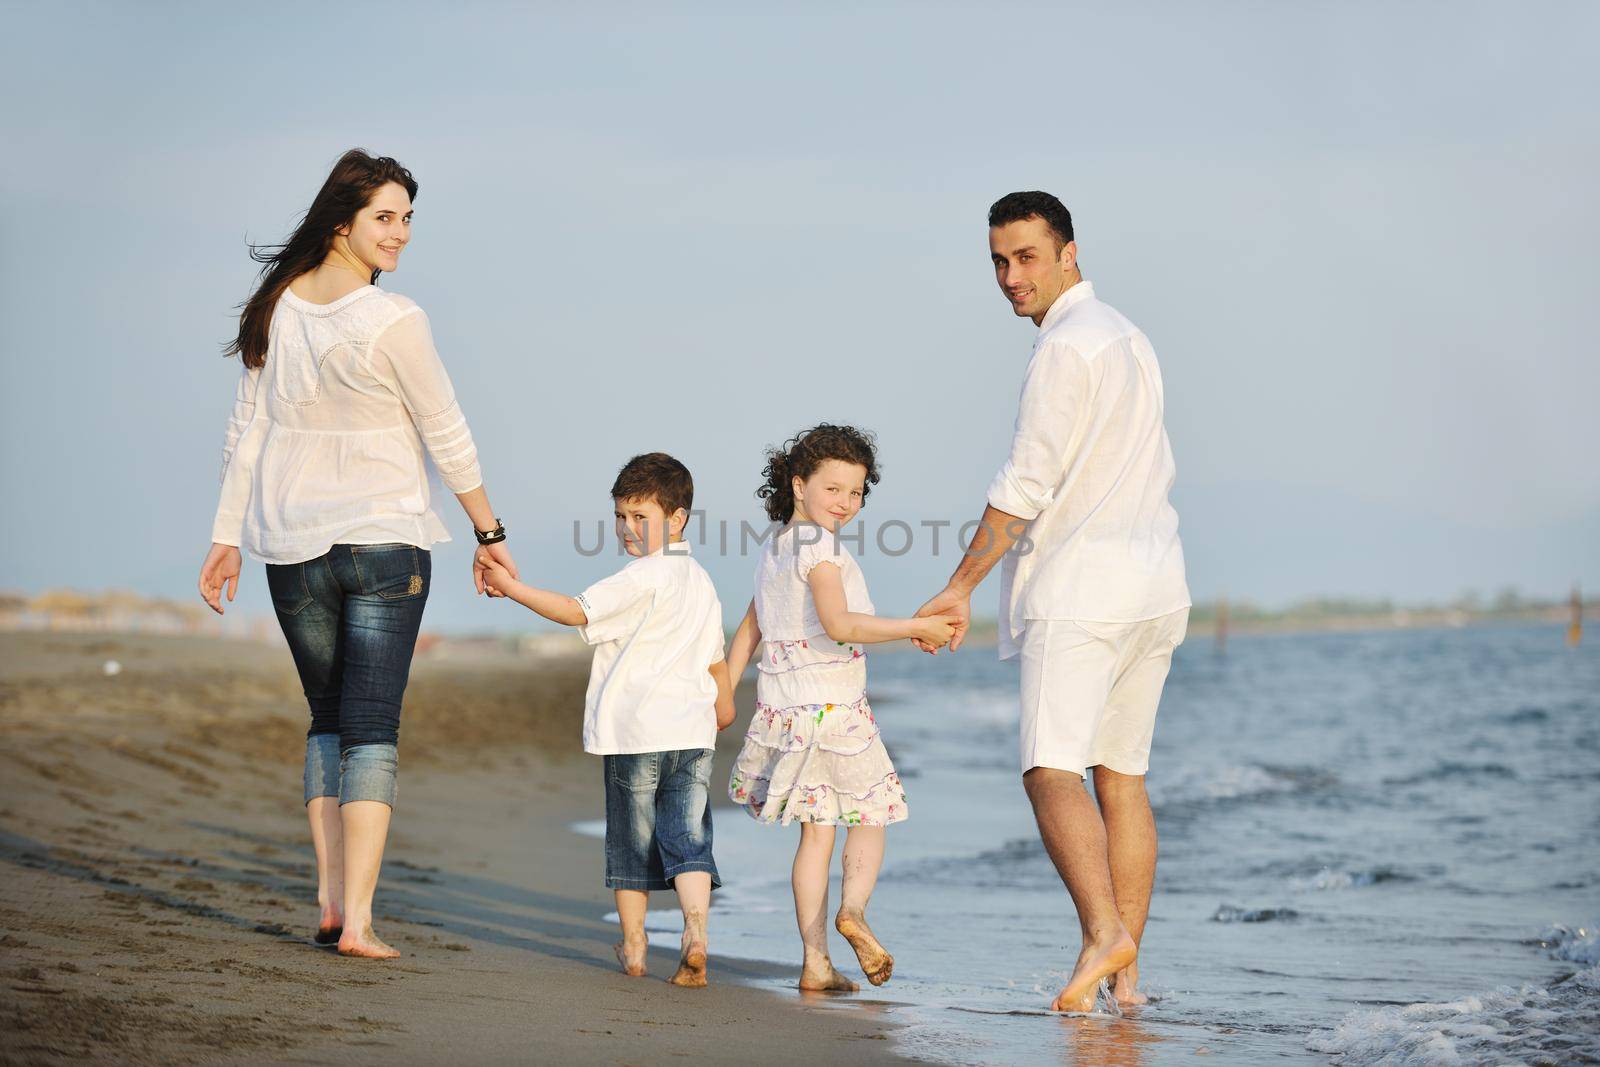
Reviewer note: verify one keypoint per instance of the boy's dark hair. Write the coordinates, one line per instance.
(1014, 207)
(803, 453)
(655, 476)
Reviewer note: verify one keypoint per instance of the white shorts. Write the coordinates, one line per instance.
(1090, 690)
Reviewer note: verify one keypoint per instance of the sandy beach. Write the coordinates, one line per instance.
(159, 895)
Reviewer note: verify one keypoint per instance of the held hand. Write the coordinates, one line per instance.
(935, 631)
(952, 602)
(498, 554)
(491, 573)
(221, 567)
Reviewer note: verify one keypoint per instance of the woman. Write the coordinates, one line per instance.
(323, 480)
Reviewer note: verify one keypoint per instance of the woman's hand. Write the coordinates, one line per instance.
(220, 568)
(496, 553)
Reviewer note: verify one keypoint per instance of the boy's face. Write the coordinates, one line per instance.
(643, 526)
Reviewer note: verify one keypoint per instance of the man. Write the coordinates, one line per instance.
(1093, 596)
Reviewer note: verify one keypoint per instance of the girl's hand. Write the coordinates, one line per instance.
(220, 568)
(496, 553)
(935, 631)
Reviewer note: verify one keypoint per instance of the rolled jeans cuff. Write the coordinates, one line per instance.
(367, 772)
(322, 766)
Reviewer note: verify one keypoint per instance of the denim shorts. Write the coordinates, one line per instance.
(658, 818)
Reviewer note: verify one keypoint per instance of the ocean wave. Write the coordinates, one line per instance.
(1334, 878)
(1450, 770)
(1240, 781)
(1527, 1025)
(1229, 913)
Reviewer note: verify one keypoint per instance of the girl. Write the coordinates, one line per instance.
(812, 753)
(340, 395)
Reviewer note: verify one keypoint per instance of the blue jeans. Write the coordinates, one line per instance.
(351, 618)
(658, 818)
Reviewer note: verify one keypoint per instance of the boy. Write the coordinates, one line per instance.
(658, 693)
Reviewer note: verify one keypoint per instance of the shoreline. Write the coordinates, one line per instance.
(159, 896)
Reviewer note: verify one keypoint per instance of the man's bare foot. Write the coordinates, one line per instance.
(824, 978)
(1126, 990)
(631, 955)
(365, 943)
(876, 963)
(1096, 961)
(330, 924)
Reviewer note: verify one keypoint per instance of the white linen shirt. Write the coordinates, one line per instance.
(1090, 468)
(657, 629)
(785, 610)
(326, 440)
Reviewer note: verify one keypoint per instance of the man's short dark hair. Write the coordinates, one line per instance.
(1014, 207)
(655, 476)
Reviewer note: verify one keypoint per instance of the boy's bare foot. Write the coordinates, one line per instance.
(1097, 960)
(1126, 989)
(876, 963)
(631, 955)
(691, 966)
(365, 944)
(824, 978)
(330, 925)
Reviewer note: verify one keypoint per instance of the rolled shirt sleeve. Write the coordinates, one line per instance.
(237, 467)
(403, 358)
(1055, 393)
(612, 607)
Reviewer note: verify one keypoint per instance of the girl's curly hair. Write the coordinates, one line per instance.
(803, 453)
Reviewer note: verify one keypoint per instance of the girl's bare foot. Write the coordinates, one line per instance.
(365, 944)
(876, 963)
(822, 977)
(631, 955)
(329, 925)
(1097, 960)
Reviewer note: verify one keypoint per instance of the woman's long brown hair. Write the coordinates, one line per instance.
(349, 188)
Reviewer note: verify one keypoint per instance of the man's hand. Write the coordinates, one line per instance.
(956, 603)
(221, 567)
(497, 554)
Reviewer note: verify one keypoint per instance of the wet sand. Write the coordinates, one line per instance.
(158, 893)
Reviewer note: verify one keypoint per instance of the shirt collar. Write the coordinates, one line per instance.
(1075, 294)
(671, 548)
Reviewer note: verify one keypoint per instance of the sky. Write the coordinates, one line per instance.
(1360, 237)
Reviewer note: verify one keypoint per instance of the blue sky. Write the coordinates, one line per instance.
(1360, 237)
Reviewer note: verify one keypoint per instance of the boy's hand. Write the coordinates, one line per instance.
(935, 631)
(495, 577)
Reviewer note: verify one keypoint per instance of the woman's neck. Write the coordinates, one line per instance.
(337, 276)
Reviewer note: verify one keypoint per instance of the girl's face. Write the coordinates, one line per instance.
(643, 526)
(381, 229)
(832, 496)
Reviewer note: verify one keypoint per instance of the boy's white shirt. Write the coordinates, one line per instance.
(657, 628)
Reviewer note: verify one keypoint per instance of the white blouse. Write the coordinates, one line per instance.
(785, 610)
(325, 443)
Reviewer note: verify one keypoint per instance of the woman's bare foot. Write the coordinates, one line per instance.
(1126, 989)
(822, 977)
(1097, 960)
(876, 963)
(330, 925)
(365, 943)
(631, 954)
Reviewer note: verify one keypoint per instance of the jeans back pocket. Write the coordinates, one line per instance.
(287, 584)
(393, 572)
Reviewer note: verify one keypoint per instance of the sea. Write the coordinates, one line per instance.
(1375, 848)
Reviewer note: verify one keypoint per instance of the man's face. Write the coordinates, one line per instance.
(1031, 270)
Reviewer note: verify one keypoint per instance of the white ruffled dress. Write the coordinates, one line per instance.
(813, 752)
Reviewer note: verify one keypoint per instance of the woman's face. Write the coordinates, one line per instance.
(381, 229)
(833, 494)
